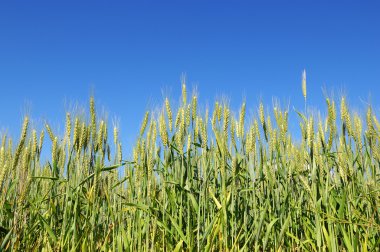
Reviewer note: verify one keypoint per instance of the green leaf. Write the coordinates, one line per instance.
(284, 227)
(44, 177)
(112, 167)
(269, 228)
(346, 240)
(6, 239)
(48, 229)
(178, 246)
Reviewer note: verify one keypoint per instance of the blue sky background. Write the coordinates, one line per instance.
(130, 54)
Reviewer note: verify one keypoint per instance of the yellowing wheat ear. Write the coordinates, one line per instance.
(304, 85)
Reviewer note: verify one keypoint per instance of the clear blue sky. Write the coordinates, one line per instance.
(131, 53)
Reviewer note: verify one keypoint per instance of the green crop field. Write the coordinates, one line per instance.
(210, 180)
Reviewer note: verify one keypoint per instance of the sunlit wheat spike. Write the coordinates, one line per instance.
(115, 135)
(204, 134)
(188, 115)
(370, 126)
(377, 123)
(76, 134)
(304, 84)
(105, 130)
(345, 116)
(54, 151)
(177, 118)
(248, 142)
(183, 119)
(320, 131)
(2, 156)
(261, 113)
(144, 123)
(188, 142)
(154, 133)
(119, 153)
(3, 140)
(41, 141)
(226, 121)
(169, 114)
(83, 136)
(3, 167)
(194, 107)
(24, 174)
(257, 130)
(50, 132)
(241, 120)
(21, 144)
(162, 130)
(61, 159)
(219, 112)
(310, 131)
(34, 143)
(100, 135)
(24, 129)
(214, 118)
(68, 126)
(184, 92)
(196, 129)
(232, 131)
(93, 117)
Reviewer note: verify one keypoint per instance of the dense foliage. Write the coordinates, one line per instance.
(197, 181)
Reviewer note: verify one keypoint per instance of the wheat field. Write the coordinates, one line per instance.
(197, 180)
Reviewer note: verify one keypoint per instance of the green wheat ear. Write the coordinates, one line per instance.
(304, 84)
(163, 130)
(144, 124)
(169, 114)
(93, 118)
(184, 92)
